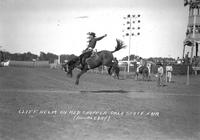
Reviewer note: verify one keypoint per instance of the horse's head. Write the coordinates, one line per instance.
(66, 68)
(70, 65)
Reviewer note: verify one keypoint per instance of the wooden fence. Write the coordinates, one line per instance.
(31, 64)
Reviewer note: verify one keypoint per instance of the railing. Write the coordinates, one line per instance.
(31, 64)
(196, 69)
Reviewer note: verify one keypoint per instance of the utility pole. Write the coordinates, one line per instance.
(131, 29)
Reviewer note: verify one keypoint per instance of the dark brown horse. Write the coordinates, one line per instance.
(100, 58)
(144, 71)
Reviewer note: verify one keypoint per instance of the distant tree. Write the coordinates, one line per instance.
(132, 57)
(163, 60)
(48, 57)
(16, 57)
(51, 57)
(125, 58)
(1, 56)
(42, 56)
(28, 56)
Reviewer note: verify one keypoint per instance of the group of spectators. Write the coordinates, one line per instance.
(160, 74)
(187, 60)
(160, 71)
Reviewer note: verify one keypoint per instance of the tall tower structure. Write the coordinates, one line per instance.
(193, 28)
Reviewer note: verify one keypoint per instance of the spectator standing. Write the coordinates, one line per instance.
(169, 70)
(187, 59)
(179, 61)
(160, 75)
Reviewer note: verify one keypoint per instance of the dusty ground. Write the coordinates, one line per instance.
(44, 104)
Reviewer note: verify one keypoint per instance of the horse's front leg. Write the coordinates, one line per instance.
(109, 70)
(143, 76)
(136, 76)
(70, 74)
(117, 76)
(79, 75)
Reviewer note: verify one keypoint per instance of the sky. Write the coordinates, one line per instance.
(61, 26)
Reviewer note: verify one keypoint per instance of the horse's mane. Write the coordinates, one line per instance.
(73, 60)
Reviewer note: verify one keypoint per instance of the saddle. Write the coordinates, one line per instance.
(94, 56)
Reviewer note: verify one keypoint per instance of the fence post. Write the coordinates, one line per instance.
(125, 72)
(188, 75)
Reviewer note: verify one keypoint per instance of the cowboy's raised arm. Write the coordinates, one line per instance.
(99, 38)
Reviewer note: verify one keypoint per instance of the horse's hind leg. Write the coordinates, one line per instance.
(109, 70)
(79, 75)
(143, 77)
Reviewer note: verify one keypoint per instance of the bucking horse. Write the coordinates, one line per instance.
(103, 57)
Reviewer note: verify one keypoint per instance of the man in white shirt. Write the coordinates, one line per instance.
(160, 74)
(169, 70)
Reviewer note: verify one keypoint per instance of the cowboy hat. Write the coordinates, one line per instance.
(92, 34)
(159, 64)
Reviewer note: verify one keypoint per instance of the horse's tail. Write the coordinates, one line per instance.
(120, 45)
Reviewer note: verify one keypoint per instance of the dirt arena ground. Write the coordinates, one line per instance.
(44, 104)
